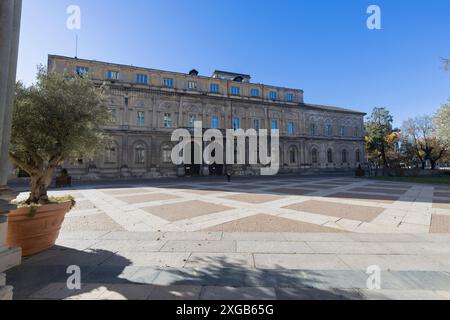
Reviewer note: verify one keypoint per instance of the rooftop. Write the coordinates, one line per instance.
(217, 74)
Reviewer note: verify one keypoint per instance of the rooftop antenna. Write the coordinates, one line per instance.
(76, 46)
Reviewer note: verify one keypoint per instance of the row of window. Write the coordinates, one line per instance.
(330, 156)
(167, 121)
(236, 91)
(140, 155)
(192, 85)
(328, 130)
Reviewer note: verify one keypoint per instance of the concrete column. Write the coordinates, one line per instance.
(10, 14)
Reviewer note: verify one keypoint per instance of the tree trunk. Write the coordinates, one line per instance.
(383, 157)
(39, 187)
(433, 164)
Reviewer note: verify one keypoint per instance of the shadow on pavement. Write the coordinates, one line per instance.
(107, 275)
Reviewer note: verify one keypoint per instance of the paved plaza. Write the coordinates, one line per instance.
(253, 238)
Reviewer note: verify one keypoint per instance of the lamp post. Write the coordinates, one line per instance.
(10, 14)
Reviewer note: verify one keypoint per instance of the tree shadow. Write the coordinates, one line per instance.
(108, 275)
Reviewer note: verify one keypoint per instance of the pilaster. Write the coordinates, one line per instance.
(10, 15)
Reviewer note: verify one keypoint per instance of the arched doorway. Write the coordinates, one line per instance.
(192, 168)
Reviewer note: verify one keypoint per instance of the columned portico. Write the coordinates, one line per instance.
(10, 13)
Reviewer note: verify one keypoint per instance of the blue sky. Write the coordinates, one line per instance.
(320, 46)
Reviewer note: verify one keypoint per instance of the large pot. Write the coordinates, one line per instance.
(36, 230)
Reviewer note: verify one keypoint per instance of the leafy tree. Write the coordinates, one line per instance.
(421, 135)
(57, 119)
(380, 139)
(442, 122)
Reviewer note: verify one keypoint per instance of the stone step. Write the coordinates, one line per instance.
(6, 293)
(10, 258)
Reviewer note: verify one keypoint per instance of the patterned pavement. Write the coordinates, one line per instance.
(286, 238)
(303, 204)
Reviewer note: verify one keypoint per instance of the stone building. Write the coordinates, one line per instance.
(146, 105)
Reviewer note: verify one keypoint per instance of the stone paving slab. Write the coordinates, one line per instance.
(292, 191)
(368, 189)
(368, 197)
(317, 237)
(253, 198)
(441, 204)
(441, 194)
(393, 262)
(315, 186)
(272, 247)
(391, 185)
(147, 198)
(59, 291)
(317, 294)
(268, 223)
(440, 224)
(129, 245)
(177, 292)
(400, 295)
(199, 246)
(231, 293)
(196, 236)
(153, 259)
(123, 191)
(348, 248)
(299, 262)
(124, 291)
(97, 222)
(83, 204)
(125, 236)
(352, 212)
(185, 210)
(220, 260)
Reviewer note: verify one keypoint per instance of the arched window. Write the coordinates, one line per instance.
(139, 154)
(330, 156)
(312, 129)
(328, 130)
(166, 153)
(344, 156)
(292, 155)
(358, 156)
(314, 156)
(111, 154)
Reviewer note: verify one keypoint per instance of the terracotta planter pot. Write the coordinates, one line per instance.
(36, 233)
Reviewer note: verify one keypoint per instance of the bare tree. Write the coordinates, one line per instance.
(446, 64)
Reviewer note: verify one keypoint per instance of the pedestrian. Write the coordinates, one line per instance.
(229, 174)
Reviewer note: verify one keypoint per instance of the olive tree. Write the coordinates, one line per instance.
(57, 119)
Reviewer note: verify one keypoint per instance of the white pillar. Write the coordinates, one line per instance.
(10, 14)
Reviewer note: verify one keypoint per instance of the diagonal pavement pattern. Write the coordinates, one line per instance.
(284, 238)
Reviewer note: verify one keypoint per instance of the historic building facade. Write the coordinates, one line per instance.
(146, 105)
